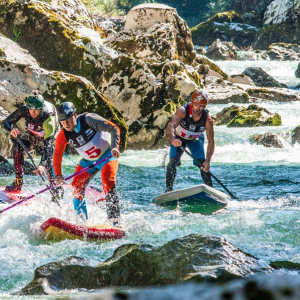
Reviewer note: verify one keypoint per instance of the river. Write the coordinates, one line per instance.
(264, 222)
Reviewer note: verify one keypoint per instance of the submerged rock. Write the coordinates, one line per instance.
(269, 140)
(252, 116)
(296, 135)
(195, 257)
(261, 78)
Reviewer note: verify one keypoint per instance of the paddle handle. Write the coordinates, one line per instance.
(51, 186)
(212, 175)
(44, 180)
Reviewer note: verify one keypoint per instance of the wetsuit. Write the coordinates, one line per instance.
(40, 132)
(191, 135)
(93, 138)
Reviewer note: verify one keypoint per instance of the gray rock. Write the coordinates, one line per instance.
(296, 135)
(269, 140)
(261, 78)
(195, 257)
(221, 51)
(262, 287)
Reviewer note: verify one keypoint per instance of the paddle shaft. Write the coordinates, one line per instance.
(46, 189)
(44, 180)
(212, 175)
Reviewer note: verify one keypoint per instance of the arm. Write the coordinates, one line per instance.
(100, 124)
(211, 143)
(60, 146)
(175, 121)
(50, 127)
(12, 119)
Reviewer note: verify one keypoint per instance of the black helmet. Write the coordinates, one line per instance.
(65, 111)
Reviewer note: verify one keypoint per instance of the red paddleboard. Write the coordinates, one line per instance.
(56, 229)
(11, 197)
(92, 192)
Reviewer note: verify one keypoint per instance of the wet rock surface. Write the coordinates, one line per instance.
(262, 287)
(252, 116)
(262, 78)
(194, 257)
(269, 140)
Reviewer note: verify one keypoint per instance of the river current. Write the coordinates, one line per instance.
(264, 222)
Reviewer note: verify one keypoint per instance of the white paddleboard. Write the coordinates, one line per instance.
(196, 195)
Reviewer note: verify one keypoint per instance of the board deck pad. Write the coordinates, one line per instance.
(11, 197)
(203, 198)
(57, 229)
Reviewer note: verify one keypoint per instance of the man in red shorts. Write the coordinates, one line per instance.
(94, 138)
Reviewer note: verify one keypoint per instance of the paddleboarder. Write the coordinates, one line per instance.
(186, 129)
(41, 123)
(94, 138)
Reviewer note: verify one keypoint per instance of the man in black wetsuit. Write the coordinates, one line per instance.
(186, 130)
(42, 123)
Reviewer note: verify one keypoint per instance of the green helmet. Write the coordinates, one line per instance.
(35, 101)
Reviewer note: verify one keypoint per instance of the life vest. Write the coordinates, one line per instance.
(188, 129)
(88, 142)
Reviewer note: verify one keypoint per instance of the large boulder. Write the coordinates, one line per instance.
(155, 17)
(221, 51)
(262, 78)
(281, 23)
(61, 35)
(19, 77)
(148, 94)
(252, 116)
(194, 257)
(227, 26)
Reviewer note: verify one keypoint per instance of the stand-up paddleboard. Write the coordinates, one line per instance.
(11, 197)
(92, 192)
(56, 229)
(202, 198)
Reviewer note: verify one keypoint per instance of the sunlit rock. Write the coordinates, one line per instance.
(262, 78)
(221, 51)
(252, 116)
(242, 79)
(158, 27)
(158, 43)
(227, 26)
(148, 94)
(61, 35)
(19, 76)
(195, 257)
(284, 51)
(281, 24)
(269, 140)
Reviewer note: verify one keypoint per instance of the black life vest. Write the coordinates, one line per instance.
(188, 129)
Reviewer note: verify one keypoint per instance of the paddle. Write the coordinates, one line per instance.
(46, 189)
(212, 175)
(44, 180)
